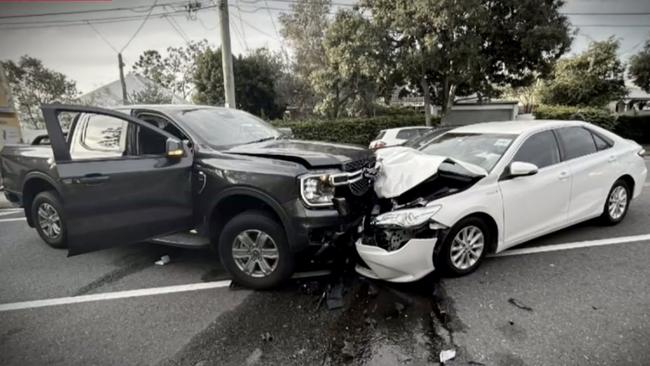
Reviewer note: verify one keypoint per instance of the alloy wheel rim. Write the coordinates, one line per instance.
(49, 220)
(467, 247)
(617, 202)
(255, 253)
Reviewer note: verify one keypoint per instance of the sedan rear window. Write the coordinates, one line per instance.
(577, 142)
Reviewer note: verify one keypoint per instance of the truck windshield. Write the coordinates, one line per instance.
(221, 127)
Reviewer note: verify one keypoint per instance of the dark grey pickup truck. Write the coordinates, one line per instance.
(190, 176)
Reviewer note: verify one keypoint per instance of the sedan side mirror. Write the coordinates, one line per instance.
(522, 169)
(174, 148)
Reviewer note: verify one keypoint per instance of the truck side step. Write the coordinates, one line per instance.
(183, 240)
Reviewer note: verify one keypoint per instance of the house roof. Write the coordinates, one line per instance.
(110, 95)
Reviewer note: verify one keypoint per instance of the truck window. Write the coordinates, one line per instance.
(97, 136)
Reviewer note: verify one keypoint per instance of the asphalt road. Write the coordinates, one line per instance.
(586, 306)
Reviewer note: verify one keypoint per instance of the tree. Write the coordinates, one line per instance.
(357, 66)
(304, 30)
(151, 94)
(176, 70)
(639, 70)
(449, 47)
(256, 80)
(33, 84)
(592, 78)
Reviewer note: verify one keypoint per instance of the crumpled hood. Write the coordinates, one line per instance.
(402, 168)
(312, 154)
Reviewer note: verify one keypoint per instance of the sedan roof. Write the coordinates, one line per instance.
(514, 127)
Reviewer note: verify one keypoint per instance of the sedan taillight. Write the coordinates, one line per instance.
(378, 145)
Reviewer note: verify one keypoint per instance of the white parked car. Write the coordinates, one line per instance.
(484, 188)
(397, 136)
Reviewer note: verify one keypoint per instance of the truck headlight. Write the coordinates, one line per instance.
(316, 190)
(407, 218)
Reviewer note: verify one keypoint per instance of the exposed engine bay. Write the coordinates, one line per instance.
(408, 179)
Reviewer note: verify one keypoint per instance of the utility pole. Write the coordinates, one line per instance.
(125, 99)
(226, 55)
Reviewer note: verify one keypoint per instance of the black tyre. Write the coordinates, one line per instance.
(253, 247)
(464, 247)
(617, 203)
(49, 220)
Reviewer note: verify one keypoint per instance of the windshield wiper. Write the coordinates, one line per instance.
(260, 140)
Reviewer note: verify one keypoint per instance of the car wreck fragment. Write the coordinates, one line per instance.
(398, 236)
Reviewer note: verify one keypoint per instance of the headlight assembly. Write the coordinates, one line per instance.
(407, 218)
(316, 190)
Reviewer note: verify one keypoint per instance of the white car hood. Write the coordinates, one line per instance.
(402, 168)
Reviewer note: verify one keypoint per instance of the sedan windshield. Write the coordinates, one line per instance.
(222, 127)
(480, 149)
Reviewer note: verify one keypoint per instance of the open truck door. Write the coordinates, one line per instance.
(121, 179)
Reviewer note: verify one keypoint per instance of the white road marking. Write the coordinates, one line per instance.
(14, 219)
(9, 212)
(575, 245)
(113, 295)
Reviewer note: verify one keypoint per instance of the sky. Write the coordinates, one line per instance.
(80, 52)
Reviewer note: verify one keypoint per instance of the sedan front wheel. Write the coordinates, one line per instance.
(464, 247)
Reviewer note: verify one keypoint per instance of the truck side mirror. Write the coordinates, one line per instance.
(174, 148)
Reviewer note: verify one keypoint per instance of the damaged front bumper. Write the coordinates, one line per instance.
(409, 263)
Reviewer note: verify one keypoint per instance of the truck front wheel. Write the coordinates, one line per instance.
(48, 218)
(253, 247)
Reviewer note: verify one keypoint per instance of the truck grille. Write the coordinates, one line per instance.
(355, 165)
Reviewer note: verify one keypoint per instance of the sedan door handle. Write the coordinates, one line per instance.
(92, 179)
(564, 175)
(611, 159)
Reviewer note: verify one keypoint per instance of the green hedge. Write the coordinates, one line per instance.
(636, 128)
(358, 131)
(597, 116)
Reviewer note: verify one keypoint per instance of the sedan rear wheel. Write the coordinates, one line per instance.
(617, 204)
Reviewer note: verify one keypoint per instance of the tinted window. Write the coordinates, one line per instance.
(540, 149)
(601, 143)
(408, 134)
(577, 142)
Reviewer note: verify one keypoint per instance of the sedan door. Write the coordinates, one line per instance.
(594, 168)
(112, 191)
(536, 204)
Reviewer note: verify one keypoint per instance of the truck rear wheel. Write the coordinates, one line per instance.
(48, 218)
(253, 247)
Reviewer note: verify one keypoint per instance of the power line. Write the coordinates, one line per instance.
(103, 38)
(612, 25)
(609, 14)
(89, 11)
(139, 28)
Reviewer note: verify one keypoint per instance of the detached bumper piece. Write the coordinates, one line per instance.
(409, 263)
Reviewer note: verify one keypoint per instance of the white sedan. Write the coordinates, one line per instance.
(484, 188)
(397, 136)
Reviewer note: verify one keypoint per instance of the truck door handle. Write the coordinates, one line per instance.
(92, 179)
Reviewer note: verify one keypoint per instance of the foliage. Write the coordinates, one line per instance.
(256, 77)
(639, 70)
(592, 78)
(33, 84)
(354, 72)
(636, 128)
(304, 28)
(449, 47)
(597, 116)
(151, 94)
(527, 95)
(176, 70)
(349, 130)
